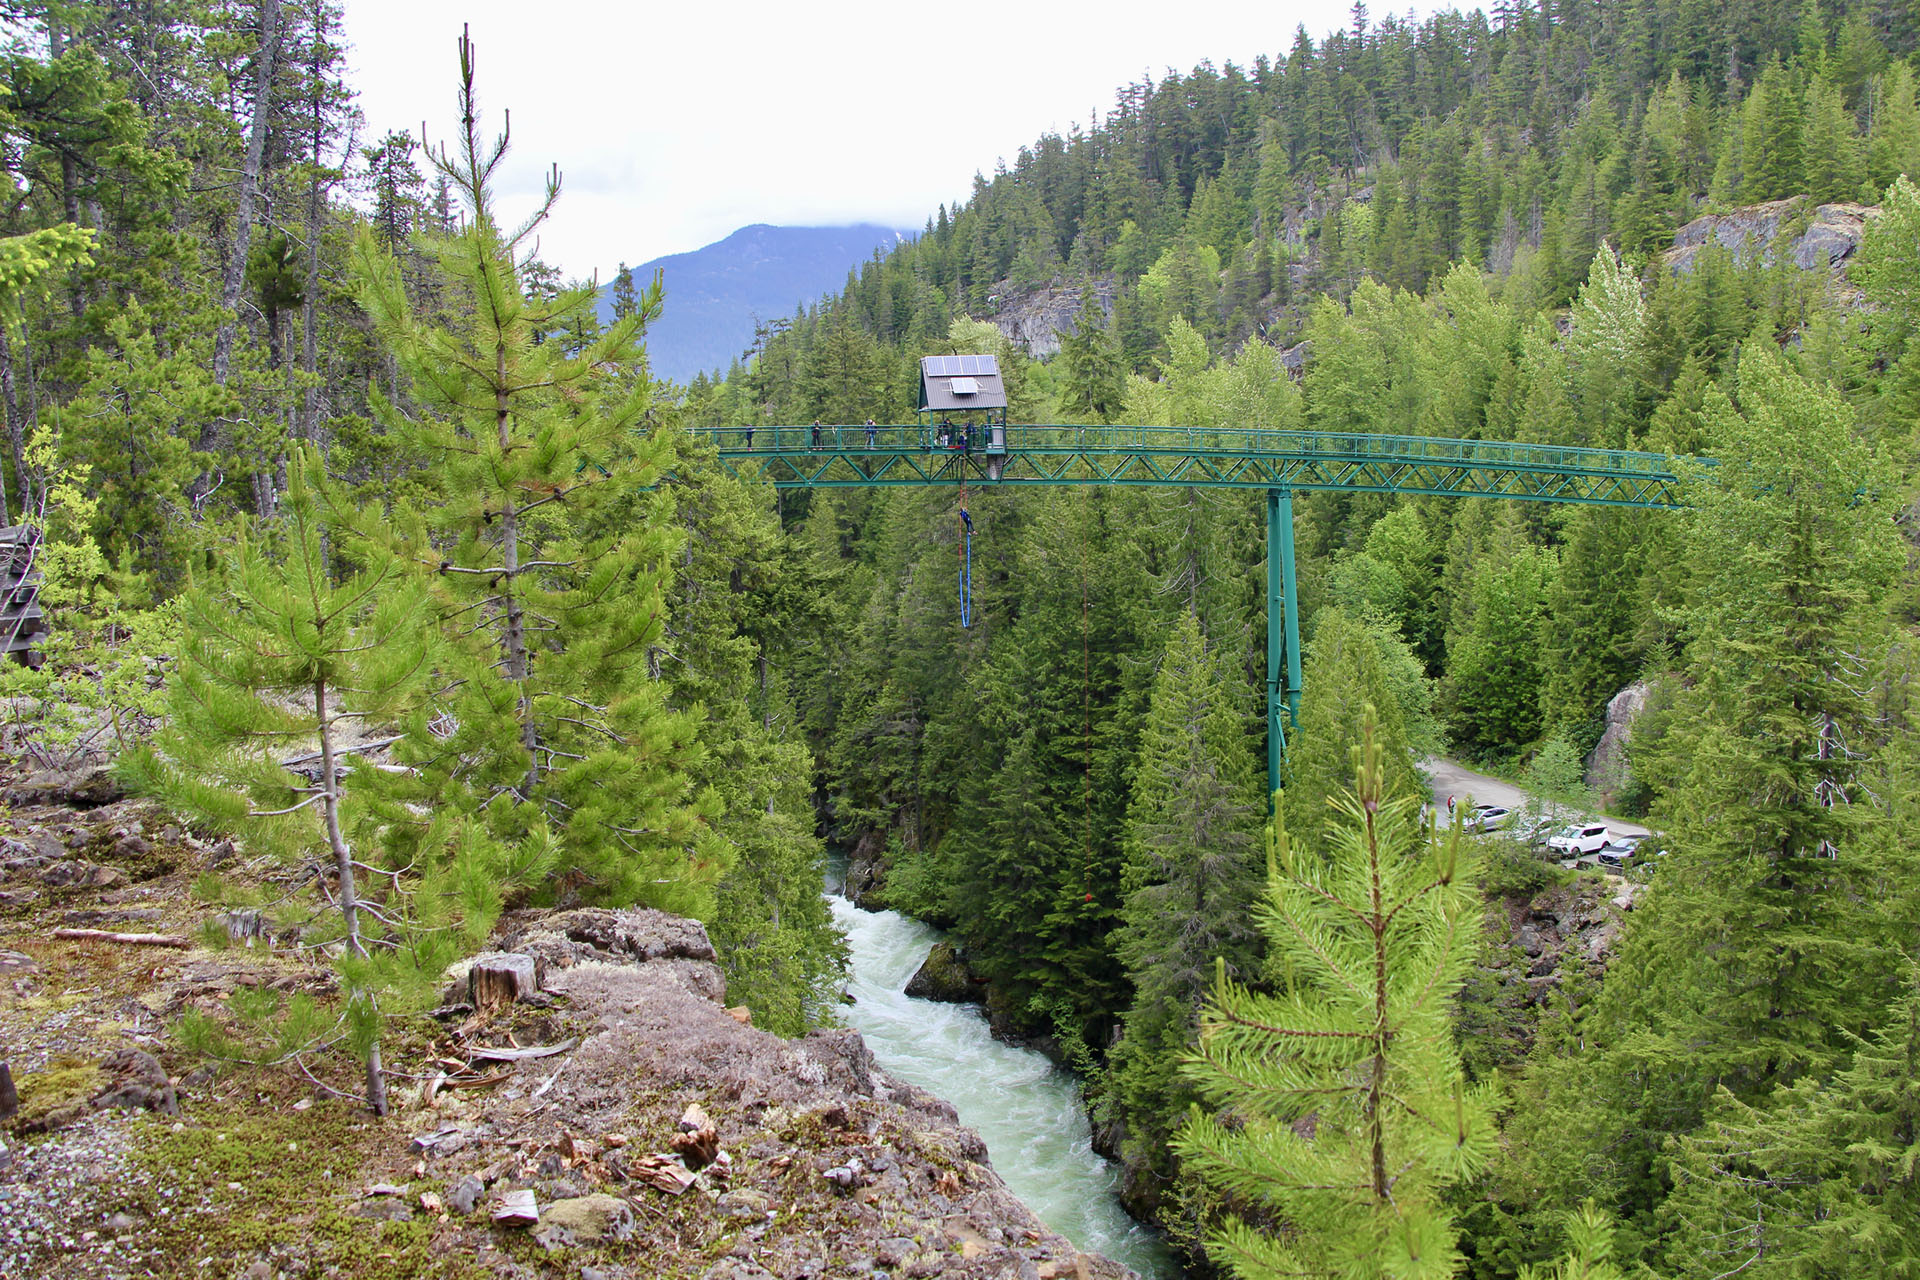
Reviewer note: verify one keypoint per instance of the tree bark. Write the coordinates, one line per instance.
(349, 901)
(10, 405)
(126, 939)
(516, 633)
(308, 427)
(235, 273)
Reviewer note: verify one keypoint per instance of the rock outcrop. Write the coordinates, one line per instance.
(1036, 321)
(613, 1117)
(1822, 238)
(1539, 942)
(1607, 771)
(825, 1164)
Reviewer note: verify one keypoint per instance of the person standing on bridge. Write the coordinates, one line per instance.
(816, 433)
(870, 431)
(746, 433)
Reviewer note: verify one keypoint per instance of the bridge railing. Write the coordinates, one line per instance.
(1247, 442)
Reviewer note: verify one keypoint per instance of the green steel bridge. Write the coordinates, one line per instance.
(1276, 462)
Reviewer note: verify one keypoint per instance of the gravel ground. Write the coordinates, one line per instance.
(57, 1202)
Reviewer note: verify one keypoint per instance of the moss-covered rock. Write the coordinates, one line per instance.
(946, 977)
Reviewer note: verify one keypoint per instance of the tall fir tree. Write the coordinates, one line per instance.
(1191, 875)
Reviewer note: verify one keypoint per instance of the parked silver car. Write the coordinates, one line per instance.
(1489, 817)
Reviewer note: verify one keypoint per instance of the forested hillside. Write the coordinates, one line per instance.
(1461, 227)
(366, 540)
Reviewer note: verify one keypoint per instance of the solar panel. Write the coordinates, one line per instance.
(959, 366)
(965, 386)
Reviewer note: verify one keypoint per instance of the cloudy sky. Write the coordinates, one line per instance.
(675, 123)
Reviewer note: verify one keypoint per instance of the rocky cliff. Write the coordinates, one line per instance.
(1813, 238)
(1035, 320)
(619, 1121)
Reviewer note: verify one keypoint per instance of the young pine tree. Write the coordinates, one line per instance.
(284, 658)
(556, 733)
(1342, 1112)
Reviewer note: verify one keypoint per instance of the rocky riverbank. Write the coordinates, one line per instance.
(618, 1122)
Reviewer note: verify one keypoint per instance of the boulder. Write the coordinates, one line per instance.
(945, 977)
(1607, 771)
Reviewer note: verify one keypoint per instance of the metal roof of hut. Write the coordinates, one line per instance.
(961, 382)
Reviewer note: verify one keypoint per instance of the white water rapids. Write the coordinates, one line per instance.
(1027, 1110)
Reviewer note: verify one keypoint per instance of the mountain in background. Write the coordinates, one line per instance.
(714, 294)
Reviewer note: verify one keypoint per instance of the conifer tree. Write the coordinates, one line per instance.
(737, 595)
(283, 659)
(1817, 1180)
(1344, 669)
(555, 732)
(1779, 850)
(1491, 695)
(626, 298)
(1191, 874)
(1777, 924)
(1342, 1112)
(1095, 382)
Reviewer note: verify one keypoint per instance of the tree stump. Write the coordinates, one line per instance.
(9, 1099)
(500, 978)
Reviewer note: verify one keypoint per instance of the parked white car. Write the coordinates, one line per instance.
(1577, 839)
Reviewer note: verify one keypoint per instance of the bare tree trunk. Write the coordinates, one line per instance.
(235, 272)
(516, 634)
(69, 171)
(310, 340)
(10, 404)
(376, 1080)
(349, 901)
(32, 487)
(308, 427)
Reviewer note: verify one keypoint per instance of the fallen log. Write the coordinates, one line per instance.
(125, 939)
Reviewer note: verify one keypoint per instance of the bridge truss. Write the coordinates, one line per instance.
(1278, 463)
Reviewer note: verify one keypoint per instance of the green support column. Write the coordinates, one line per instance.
(1283, 634)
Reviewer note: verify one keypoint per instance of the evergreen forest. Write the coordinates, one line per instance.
(324, 456)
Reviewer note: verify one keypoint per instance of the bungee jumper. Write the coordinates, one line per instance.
(966, 562)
